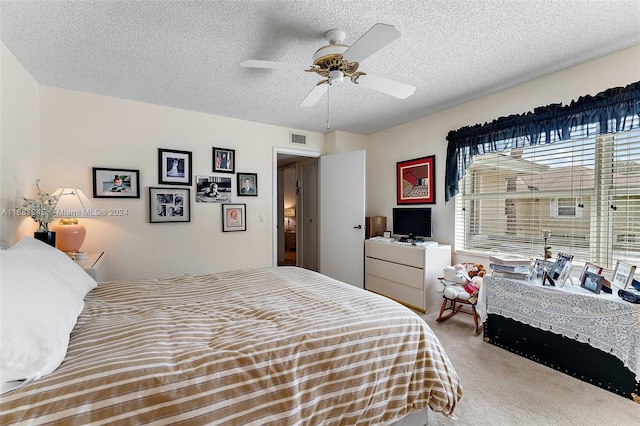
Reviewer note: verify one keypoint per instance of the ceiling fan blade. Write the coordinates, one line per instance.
(314, 95)
(373, 40)
(384, 85)
(253, 63)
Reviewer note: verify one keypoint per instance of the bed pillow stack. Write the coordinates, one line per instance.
(41, 295)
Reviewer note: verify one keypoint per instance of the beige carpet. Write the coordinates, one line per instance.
(502, 388)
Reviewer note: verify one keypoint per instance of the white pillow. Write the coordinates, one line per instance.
(41, 295)
(54, 261)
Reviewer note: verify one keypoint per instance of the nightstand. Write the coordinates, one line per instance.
(290, 240)
(94, 265)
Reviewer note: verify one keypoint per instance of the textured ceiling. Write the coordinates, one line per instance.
(186, 54)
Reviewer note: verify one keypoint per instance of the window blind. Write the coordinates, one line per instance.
(585, 190)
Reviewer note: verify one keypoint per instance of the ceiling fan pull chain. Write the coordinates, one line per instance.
(328, 91)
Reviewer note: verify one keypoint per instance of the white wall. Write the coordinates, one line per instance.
(427, 136)
(80, 131)
(338, 142)
(19, 144)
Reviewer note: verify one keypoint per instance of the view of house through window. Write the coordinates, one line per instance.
(585, 190)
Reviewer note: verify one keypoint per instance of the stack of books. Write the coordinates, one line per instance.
(510, 266)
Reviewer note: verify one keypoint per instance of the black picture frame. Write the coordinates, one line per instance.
(115, 183)
(592, 282)
(247, 184)
(234, 217)
(174, 167)
(169, 205)
(213, 189)
(224, 160)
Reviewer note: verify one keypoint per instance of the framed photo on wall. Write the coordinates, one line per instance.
(247, 184)
(174, 167)
(224, 160)
(213, 189)
(169, 205)
(234, 217)
(119, 183)
(415, 181)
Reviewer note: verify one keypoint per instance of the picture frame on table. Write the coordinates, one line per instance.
(561, 261)
(118, 183)
(224, 160)
(415, 181)
(623, 274)
(592, 282)
(247, 184)
(174, 167)
(234, 217)
(168, 205)
(539, 267)
(590, 267)
(564, 274)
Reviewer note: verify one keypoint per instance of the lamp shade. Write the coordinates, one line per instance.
(71, 205)
(290, 212)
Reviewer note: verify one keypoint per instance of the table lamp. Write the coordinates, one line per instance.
(70, 234)
(289, 212)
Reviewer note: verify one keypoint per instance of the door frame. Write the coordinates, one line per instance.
(288, 151)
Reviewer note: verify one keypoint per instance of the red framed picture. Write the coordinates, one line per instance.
(416, 181)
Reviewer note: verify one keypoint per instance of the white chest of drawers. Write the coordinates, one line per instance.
(405, 273)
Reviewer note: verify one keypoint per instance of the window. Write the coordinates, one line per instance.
(585, 190)
(565, 207)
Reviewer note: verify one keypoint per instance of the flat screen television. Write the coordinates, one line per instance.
(412, 223)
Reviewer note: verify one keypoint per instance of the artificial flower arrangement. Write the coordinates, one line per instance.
(42, 209)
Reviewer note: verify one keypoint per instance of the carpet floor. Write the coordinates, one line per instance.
(502, 388)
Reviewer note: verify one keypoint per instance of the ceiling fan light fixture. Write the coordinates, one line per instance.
(336, 77)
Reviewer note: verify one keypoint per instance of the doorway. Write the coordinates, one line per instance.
(290, 207)
(296, 208)
(318, 185)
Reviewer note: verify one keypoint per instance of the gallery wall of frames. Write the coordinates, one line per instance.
(170, 202)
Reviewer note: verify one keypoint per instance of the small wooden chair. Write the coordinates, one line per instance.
(450, 307)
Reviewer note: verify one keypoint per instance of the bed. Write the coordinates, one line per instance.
(258, 346)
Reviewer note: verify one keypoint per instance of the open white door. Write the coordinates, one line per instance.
(342, 209)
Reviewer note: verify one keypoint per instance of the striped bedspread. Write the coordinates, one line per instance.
(273, 346)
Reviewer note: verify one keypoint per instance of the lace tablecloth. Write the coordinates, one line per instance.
(604, 321)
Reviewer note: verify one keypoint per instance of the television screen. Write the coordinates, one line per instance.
(414, 223)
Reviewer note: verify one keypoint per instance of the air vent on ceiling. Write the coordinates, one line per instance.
(297, 139)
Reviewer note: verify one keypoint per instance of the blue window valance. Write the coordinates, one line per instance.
(613, 110)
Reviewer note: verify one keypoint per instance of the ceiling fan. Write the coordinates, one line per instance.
(336, 61)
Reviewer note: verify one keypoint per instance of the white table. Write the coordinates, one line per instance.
(94, 265)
